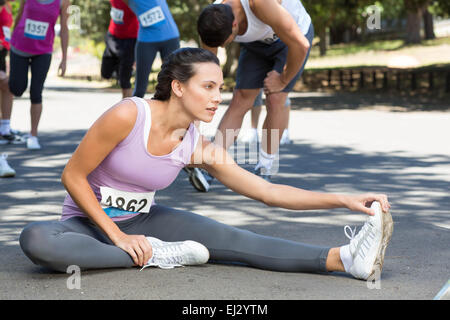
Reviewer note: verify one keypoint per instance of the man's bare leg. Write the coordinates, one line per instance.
(241, 102)
(275, 122)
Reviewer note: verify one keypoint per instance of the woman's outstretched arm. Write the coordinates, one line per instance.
(219, 163)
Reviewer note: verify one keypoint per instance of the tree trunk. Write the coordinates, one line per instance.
(413, 26)
(323, 41)
(428, 24)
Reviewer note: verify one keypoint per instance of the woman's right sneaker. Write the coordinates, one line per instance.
(369, 245)
(167, 255)
(5, 170)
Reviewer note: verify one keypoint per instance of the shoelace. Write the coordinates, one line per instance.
(366, 229)
(166, 256)
(352, 232)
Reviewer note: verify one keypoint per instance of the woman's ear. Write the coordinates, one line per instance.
(177, 88)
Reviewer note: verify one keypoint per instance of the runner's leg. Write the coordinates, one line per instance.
(230, 244)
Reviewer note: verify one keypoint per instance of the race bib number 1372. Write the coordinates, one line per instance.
(152, 16)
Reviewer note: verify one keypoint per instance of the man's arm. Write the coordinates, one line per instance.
(286, 28)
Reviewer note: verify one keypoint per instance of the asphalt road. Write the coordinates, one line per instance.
(342, 144)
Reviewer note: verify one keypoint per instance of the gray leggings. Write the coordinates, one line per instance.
(77, 241)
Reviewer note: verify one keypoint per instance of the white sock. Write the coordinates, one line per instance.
(265, 160)
(5, 126)
(346, 257)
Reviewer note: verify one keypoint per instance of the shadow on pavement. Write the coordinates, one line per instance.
(420, 199)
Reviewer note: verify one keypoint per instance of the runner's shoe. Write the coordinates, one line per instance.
(167, 255)
(285, 138)
(249, 136)
(200, 179)
(263, 173)
(5, 170)
(11, 138)
(369, 245)
(33, 143)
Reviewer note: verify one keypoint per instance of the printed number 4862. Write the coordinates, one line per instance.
(130, 206)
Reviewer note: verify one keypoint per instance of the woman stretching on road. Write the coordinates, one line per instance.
(139, 146)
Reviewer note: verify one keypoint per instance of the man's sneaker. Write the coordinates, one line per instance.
(285, 138)
(167, 255)
(369, 245)
(263, 173)
(200, 179)
(33, 143)
(5, 170)
(249, 136)
(11, 139)
(16, 132)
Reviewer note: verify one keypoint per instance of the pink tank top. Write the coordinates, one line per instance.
(131, 169)
(35, 31)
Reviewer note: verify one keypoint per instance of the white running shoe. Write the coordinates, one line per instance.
(285, 138)
(5, 170)
(369, 245)
(33, 143)
(249, 136)
(167, 255)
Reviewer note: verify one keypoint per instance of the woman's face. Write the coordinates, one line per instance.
(202, 92)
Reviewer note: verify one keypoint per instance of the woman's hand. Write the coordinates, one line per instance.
(62, 68)
(137, 246)
(363, 202)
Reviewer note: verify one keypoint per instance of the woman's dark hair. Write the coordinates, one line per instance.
(179, 65)
(214, 25)
(2, 2)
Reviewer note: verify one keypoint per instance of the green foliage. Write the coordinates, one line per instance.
(94, 18)
(185, 14)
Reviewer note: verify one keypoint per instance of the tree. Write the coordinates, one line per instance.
(428, 25)
(322, 15)
(94, 18)
(185, 14)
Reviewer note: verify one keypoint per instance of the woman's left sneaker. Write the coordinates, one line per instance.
(167, 255)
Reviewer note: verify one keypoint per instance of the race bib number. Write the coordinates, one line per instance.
(7, 33)
(117, 15)
(271, 40)
(128, 201)
(36, 29)
(152, 16)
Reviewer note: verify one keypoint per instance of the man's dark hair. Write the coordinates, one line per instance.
(214, 24)
(179, 65)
